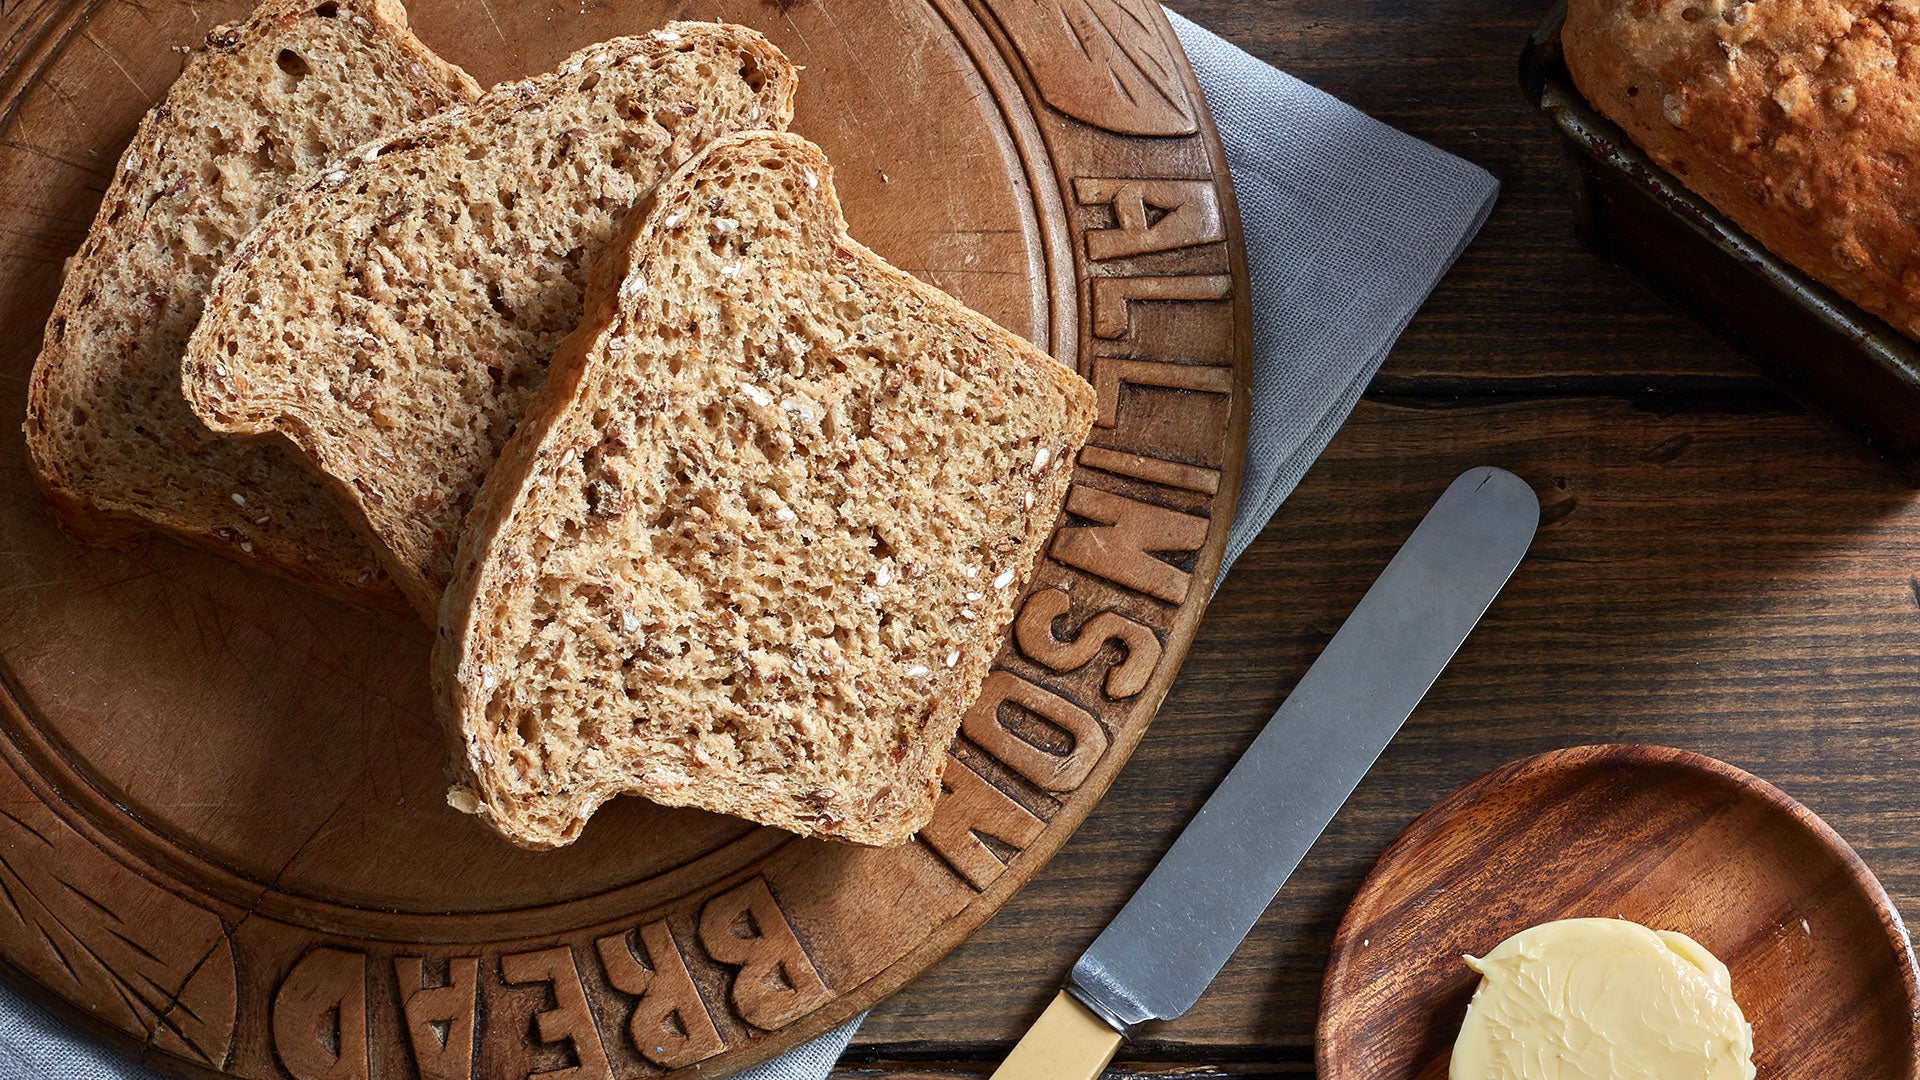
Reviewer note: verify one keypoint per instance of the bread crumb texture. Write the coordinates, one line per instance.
(762, 533)
(111, 441)
(1798, 119)
(392, 320)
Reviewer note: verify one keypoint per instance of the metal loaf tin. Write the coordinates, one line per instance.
(1833, 356)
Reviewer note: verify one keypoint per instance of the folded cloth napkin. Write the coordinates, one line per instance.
(1348, 225)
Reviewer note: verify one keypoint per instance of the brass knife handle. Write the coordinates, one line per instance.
(1068, 1042)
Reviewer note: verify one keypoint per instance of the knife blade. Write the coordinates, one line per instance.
(1175, 934)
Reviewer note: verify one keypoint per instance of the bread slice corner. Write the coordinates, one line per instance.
(389, 322)
(111, 443)
(757, 541)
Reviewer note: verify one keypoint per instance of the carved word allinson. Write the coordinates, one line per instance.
(1120, 542)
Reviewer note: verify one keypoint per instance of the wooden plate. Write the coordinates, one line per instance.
(222, 835)
(1821, 963)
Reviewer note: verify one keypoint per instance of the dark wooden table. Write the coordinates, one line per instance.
(1716, 570)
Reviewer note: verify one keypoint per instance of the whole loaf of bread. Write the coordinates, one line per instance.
(1797, 119)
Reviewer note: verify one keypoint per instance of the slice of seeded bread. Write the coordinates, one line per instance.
(110, 440)
(391, 321)
(760, 536)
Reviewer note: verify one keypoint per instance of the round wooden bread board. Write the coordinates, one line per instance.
(224, 844)
(1821, 963)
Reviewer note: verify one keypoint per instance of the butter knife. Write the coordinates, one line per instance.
(1159, 953)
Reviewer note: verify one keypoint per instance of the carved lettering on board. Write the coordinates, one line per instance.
(1033, 631)
(1150, 215)
(1127, 535)
(570, 1020)
(777, 982)
(1102, 62)
(1173, 474)
(969, 811)
(1110, 371)
(1113, 297)
(135, 955)
(670, 1024)
(1049, 769)
(320, 1017)
(439, 1019)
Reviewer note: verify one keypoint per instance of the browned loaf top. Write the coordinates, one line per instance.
(1799, 120)
(760, 535)
(390, 321)
(110, 440)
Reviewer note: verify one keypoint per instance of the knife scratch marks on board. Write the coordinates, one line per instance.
(72, 163)
(487, 6)
(66, 98)
(145, 93)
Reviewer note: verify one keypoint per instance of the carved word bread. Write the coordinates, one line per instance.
(759, 537)
(1794, 119)
(391, 321)
(110, 440)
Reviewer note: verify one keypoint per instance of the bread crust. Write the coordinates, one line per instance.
(245, 504)
(403, 471)
(1797, 119)
(533, 471)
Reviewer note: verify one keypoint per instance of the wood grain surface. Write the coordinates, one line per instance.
(1821, 965)
(223, 837)
(1716, 571)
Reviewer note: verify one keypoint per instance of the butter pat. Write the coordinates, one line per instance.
(1602, 999)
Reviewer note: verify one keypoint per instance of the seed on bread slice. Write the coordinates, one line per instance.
(390, 321)
(110, 440)
(759, 537)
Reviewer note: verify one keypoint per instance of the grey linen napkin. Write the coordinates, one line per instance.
(1349, 224)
